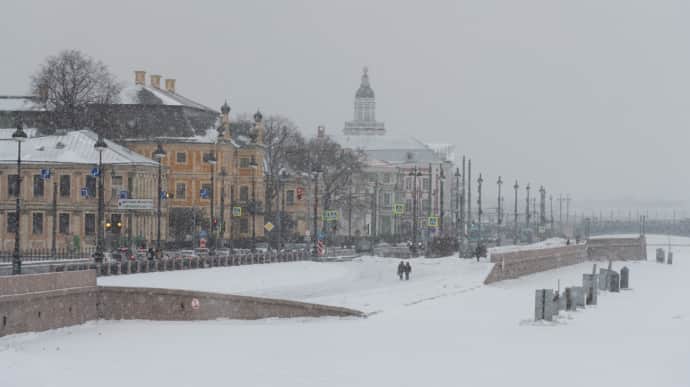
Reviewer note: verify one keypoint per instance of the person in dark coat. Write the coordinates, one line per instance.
(401, 270)
(151, 254)
(408, 270)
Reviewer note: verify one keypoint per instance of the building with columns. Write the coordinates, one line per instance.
(387, 181)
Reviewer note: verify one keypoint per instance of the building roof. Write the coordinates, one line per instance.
(365, 90)
(19, 103)
(147, 95)
(391, 149)
(73, 147)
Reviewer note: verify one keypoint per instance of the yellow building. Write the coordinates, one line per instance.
(61, 210)
(237, 174)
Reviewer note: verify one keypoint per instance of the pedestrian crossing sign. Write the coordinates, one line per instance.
(237, 211)
(398, 208)
(432, 221)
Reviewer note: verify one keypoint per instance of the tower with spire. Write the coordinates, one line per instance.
(364, 120)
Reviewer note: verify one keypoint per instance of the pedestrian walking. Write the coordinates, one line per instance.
(408, 270)
(401, 270)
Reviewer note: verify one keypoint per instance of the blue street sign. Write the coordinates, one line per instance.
(95, 172)
(203, 234)
(321, 235)
(204, 193)
(124, 195)
(45, 173)
(84, 192)
(164, 195)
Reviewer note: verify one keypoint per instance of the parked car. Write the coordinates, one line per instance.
(261, 247)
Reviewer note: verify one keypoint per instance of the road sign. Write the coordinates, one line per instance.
(269, 226)
(204, 193)
(330, 214)
(124, 195)
(84, 192)
(300, 193)
(398, 209)
(321, 235)
(432, 221)
(45, 174)
(95, 172)
(164, 195)
(135, 204)
(307, 233)
(195, 303)
(542, 229)
(237, 211)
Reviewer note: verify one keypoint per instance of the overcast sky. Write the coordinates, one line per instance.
(588, 97)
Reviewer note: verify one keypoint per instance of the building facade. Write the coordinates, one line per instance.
(61, 210)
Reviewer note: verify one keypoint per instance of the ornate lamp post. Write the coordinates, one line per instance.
(100, 146)
(316, 170)
(479, 210)
(211, 159)
(499, 214)
(516, 231)
(442, 178)
(528, 215)
(159, 154)
(458, 224)
(254, 166)
(415, 173)
(19, 136)
(283, 176)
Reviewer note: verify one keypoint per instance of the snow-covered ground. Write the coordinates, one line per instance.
(439, 329)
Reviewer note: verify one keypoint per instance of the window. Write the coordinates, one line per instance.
(425, 183)
(115, 220)
(91, 186)
(37, 224)
(117, 180)
(39, 186)
(408, 184)
(244, 194)
(386, 178)
(181, 158)
(290, 197)
(425, 205)
(244, 225)
(386, 224)
(387, 199)
(244, 162)
(65, 186)
(207, 187)
(180, 190)
(408, 205)
(11, 222)
(89, 224)
(12, 185)
(64, 223)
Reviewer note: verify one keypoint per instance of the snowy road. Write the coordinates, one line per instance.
(460, 334)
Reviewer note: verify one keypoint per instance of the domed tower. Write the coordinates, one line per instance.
(259, 127)
(364, 120)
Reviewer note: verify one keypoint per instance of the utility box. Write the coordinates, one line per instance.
(543, 305)
(589, 285)
(669, 260)
(660, 255)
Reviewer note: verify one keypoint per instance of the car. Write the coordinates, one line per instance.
(261, 247)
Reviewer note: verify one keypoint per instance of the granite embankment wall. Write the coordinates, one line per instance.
(515, 264)
(38, 302)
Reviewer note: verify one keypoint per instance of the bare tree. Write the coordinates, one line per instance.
(70, 81)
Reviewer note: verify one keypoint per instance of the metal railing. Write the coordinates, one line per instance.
(36, 255)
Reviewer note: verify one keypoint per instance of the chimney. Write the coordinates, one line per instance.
(140, 77)
(170, 85)
(156, 81)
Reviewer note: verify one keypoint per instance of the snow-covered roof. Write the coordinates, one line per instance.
(74, 147)
(132, 95)
(19, 103)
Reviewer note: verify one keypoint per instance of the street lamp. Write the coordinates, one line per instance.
(211, 159)
(315, 175)
(499, 214)
(283, 176)
(100, 146)
(516, 231)
(415, 174)
(19, 136)
(479, 210)
(527, 213)
(442, 178)
(458, 225)
(254, 166)
(159, 154)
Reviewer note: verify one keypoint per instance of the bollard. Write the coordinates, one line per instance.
(603, 278)
(670, 258)
(544, 308)
(589, 284)
(569, 299)
(660, 255)
(613, 282)
(578, 296)
(625, 278)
